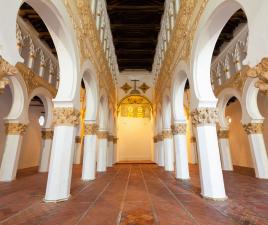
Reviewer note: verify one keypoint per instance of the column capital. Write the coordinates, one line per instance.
(179, 128)
(115, 140)
(167, 134)
(15, 128)
(110, 138)
(66, 116)
(204, 116)
(77, 139)
(47, 134)
(253, 128)
(193, 139)
(103, 134)
(155, 138)
(223, 134)
(91, 129)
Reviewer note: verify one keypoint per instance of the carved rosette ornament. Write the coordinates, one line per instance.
(204, 116)
(91, 129)
(47, 134)
(179, 129)
(77, 139)
(223, 134)
(103, 134)
(15, 128)
(66, 117)
(260, 71)
(253, 128)
(167, 134)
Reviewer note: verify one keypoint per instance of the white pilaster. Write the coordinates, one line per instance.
(258, 150)
(211, 177)
(102, 151)
(225, 152)
(161, 154)
(181, 157)
(12, 150)
(168, 150)
(193, 147)
(90, 150)
(47, 136)
(115, 150)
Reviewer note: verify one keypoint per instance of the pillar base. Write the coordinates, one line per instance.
(57, 201)
(215, 199)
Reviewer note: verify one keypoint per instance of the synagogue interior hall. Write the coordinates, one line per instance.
(134, 112)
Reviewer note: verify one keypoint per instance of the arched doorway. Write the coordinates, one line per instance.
(135, 129)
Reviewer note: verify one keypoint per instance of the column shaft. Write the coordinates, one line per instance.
(102, 151)
(47, 136)
(168, 150)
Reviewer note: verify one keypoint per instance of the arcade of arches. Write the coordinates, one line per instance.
(133, 112)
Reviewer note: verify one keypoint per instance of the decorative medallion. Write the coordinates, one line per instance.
(144, 87)
(126, 87)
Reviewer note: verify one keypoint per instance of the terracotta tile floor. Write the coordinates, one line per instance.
(134, 194)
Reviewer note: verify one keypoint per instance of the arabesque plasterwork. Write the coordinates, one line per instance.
(66, 117)
(180, 45)
(89, 43)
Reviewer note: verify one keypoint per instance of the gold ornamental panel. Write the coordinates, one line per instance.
(47, 134)
(253, 128)
(66, 116)
(91, 129)
(15, 128)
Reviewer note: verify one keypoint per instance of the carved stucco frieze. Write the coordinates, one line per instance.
(260, 71)
(66, 116)
(33, 81)
(179, 128)
(203, 116)
(47, 134)
(253, 128)
(91, 129)
(223, 134)
(15, 128)
(183, 33)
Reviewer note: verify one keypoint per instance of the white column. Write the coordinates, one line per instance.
(115, 149)
(102, 151)
(10, 160)
(110, 151)
(168, 150)
(90, 150)
(78, 150)
(193, 147)
(161, 154)
(61, 162)
(257, 147)
(211, 177)
(224, 145)
(156, 160)
(47, 136)
(180, 144)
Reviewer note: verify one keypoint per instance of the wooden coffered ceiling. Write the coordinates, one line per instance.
(29, 15)
(135, 25)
